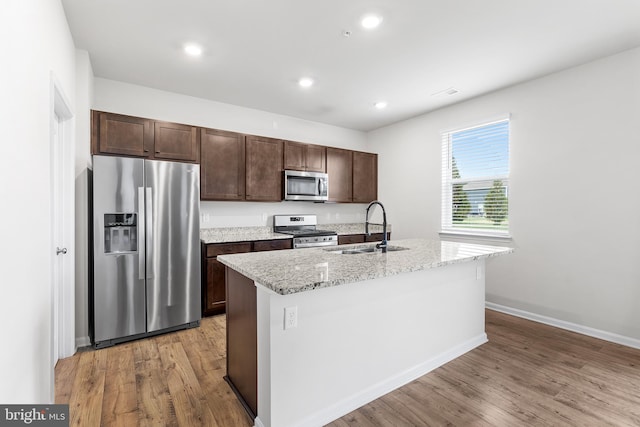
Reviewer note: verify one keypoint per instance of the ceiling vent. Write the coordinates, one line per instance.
(446, 92)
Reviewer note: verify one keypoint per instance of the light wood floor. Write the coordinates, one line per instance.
(527, 374)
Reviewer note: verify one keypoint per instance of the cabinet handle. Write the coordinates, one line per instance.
(62, 251)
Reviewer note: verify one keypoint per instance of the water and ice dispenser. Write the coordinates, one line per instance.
(120, 233)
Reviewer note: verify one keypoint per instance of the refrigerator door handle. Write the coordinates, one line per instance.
(141, 237)
(149, 232)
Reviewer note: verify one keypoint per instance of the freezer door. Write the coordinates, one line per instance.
(118, 244)
(173, 244)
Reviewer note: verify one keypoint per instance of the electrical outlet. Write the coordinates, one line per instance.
(290, 317)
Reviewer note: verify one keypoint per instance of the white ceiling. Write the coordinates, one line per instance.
(256, 50)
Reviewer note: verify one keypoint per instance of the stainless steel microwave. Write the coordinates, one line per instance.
(300, 185)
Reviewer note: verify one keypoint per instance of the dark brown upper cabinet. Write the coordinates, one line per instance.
(123, 135)
(234, 166)
(304, 157)
(340, 171)
(263, 169)
(222, 168)
(365, 177)
(138, 137)
(173, 141)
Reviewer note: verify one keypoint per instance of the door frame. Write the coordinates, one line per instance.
(62, 161)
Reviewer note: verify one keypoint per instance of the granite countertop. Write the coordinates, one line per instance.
(245, 234)
(297, 270)
(239, 234)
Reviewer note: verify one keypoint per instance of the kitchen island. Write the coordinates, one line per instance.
(324, 331)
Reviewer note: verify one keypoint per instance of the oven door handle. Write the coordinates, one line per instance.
(300, 245)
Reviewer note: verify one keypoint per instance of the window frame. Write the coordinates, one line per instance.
(447, 229)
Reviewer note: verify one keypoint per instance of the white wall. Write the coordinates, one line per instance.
(84, 100)
(142, 101)
(574, 196)
(36, 43)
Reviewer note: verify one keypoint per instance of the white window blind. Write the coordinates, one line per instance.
(475, 179)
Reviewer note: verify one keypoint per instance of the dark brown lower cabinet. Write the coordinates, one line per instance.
(242, 339)
(376, 237)
(350, 239)
(214, 301)
(213, 271)
(213, 280)
(272, 245)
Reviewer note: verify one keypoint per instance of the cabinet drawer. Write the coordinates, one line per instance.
(272, 245)
(347, 239)
(215, 249)
(376, 237)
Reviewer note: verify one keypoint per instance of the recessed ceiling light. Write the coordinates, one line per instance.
(193, 49)
(380, 105)
(371, 21)
(305, 82)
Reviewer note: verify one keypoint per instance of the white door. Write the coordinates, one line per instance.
(62, 228)
(57, 236)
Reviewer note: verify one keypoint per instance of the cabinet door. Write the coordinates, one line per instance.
(213, 283)
(222, 157)
(365, 177)
(124, 135)
(304, 157)
(294, 156)
(174, 141)
(214, 298)
(263, 169)
(339, 169)
(242, 340)
(316, 158)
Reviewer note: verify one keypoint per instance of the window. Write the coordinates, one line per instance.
(475, 180)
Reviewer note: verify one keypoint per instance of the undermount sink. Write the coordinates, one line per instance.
(364, 250)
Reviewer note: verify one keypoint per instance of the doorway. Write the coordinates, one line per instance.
(62, 227)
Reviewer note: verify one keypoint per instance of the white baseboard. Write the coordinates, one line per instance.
(82, 342)
(573, 327)
(342, 408)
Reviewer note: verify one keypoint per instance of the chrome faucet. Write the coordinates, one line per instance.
(382, 245)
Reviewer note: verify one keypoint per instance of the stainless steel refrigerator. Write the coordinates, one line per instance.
(146, 248)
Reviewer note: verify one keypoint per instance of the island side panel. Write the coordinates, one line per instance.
(242, 350)
(356, 342)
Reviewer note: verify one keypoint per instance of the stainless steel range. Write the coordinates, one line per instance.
(304, 231)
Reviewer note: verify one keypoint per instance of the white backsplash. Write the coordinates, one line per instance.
(255, 214)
